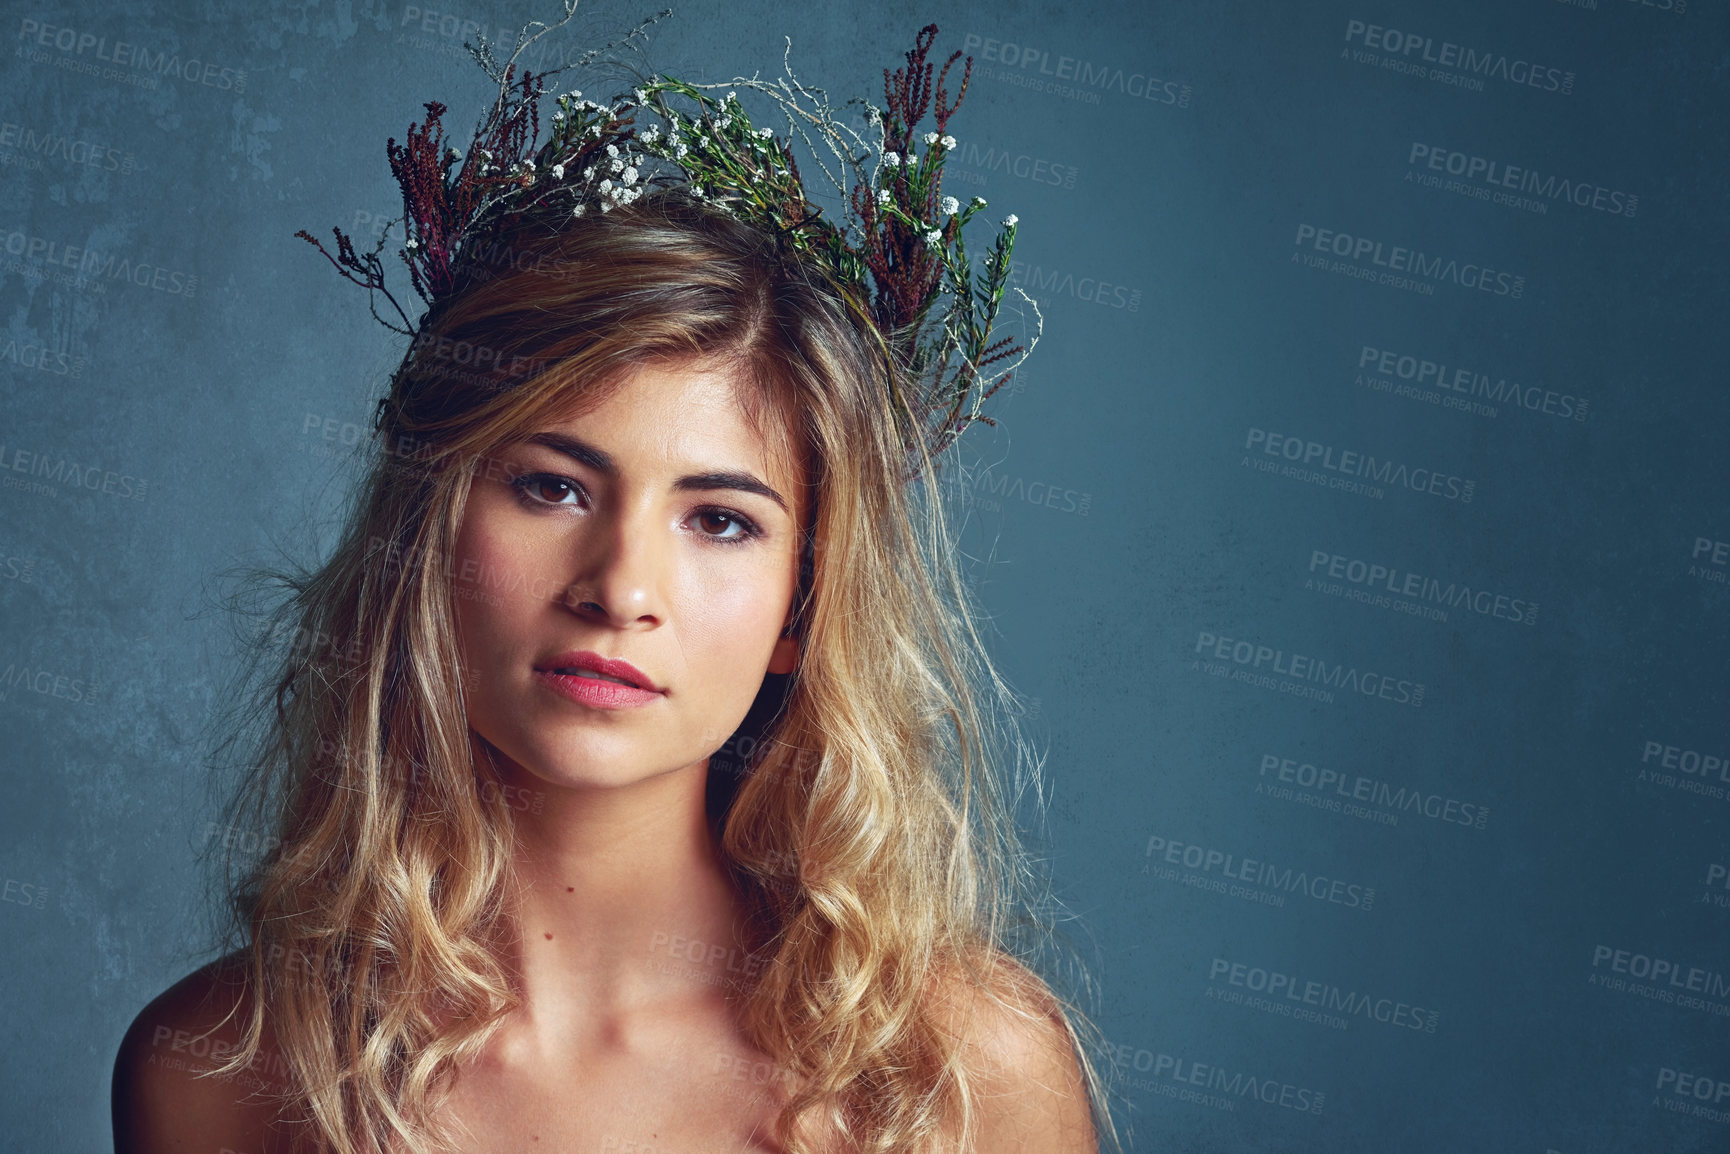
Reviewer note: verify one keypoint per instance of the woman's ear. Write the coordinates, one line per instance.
(785, 656)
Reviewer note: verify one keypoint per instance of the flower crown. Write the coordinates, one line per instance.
(895, 255)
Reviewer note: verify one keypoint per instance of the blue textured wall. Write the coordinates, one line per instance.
(1360, 524)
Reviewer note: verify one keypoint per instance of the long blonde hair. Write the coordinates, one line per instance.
(870, 831)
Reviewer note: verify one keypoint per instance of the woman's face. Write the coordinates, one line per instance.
(657, 529)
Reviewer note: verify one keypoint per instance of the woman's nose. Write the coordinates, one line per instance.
(620, 567)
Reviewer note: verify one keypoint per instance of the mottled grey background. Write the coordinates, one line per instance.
(182, 406)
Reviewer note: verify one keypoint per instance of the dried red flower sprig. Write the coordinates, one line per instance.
(908, 273)
(441, 208)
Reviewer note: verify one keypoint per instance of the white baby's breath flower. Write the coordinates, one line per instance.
(606, 187)
(589, 173)
(616, 165)
(411, 244)
(883, 196)
(679, 150)
(558, 172)
(930, 138)
(892, 159)
(765, 133)
(948, 143)
(949, 205)
(1011, 220)
(578, 211)
(558, 116)
(630, 175)
(934, 238)
(642, 97)
(979, 202)
(612, 150)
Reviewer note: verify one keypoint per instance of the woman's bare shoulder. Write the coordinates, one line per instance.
(159, 1101)
(1015, 1043)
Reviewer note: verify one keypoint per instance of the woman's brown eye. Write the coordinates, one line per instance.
(543, 489)
(746, 530)
(552, 489)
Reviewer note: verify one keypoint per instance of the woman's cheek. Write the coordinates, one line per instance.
(494, 580)
(737, 618)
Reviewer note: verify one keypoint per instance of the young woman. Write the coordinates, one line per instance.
(635, 763)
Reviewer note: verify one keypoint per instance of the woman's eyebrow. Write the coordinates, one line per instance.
(602, 462)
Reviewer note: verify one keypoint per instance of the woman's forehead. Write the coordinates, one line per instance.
(696, 407)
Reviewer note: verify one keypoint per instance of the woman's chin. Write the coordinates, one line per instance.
(569, 772)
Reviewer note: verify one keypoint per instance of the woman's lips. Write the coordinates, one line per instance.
(593, 691)
(615, 667)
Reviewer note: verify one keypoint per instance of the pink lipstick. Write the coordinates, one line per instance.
(602, 682)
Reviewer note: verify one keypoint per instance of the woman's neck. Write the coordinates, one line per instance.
(623, 904)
